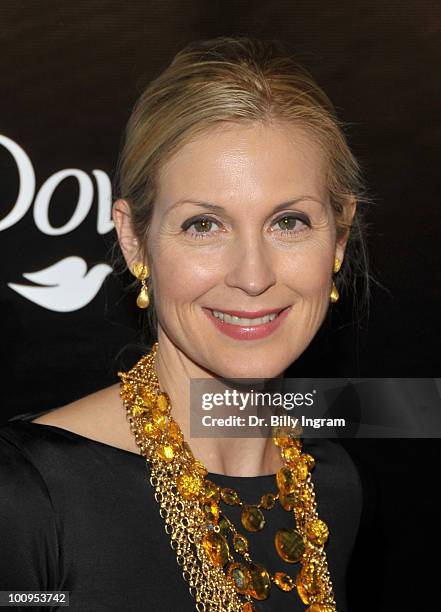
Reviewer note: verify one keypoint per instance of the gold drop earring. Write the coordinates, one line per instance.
(334, 292)
(141, 271)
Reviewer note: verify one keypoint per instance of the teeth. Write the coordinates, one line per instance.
(233, 320)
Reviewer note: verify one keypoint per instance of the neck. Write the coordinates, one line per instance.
(252, 456)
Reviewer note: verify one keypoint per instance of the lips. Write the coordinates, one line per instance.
(248, 331)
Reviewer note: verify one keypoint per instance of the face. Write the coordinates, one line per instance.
(242, 223)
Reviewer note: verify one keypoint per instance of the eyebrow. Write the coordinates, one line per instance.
(218, 208)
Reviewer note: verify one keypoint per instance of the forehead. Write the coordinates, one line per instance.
(230, 160)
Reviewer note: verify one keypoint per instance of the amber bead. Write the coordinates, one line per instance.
(240, 543)
(317, 531)
(267, 501)
(289, 545)
(249, 607)
(223, 525)
(165, 452)
(283, 581)
(159, 420)
(286, 480)
(240, 576)
(200, 468)
(230, 496)
(290, 453)
(260, 582)
(139, 409)
(252, 518)
(149, 398)
(189, 485)
(211, 491)
(211, 511)
(163, 402)
(318, 607)
(308, 584)
(216, 547)
(289, 501)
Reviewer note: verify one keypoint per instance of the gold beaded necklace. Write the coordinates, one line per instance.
(190, 505)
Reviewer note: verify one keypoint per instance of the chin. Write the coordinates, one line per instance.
(247, 369)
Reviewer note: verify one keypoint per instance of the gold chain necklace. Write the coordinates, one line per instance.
(190, 506)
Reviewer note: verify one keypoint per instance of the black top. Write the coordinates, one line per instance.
(80, 515)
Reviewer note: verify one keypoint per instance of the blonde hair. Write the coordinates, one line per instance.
(241, 80)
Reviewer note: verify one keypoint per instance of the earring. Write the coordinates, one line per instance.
(337, 264)
(334, 292)
(141, 271)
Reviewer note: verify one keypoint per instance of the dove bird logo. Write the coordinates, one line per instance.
(65, 286)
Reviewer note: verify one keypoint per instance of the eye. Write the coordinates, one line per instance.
(292, 224)
(201, 224)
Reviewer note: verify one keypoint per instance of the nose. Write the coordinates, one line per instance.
(250, 265)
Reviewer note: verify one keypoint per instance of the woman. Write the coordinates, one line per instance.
(239, 202)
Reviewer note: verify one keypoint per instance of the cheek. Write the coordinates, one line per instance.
(182, 278)
(314, 281)
(308, 272)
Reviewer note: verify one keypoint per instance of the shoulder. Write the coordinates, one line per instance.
(99, 416)
(85, 412)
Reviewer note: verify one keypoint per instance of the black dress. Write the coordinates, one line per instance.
(79, 515)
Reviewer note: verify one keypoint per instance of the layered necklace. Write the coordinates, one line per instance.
(194, 510)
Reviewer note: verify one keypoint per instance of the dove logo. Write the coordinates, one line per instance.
(66, 285)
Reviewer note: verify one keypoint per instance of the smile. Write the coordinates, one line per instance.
(253, 326)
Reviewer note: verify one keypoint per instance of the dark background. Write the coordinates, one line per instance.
(70, 74)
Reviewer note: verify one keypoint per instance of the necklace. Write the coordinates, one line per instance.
(190, 505)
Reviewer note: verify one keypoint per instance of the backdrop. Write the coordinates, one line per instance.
(70, 74)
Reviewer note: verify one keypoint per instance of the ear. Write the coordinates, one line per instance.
(123, 224)
(348, 215)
